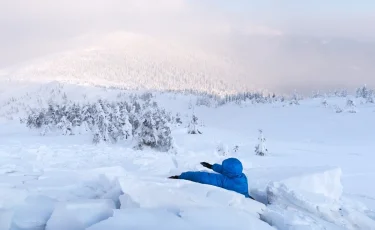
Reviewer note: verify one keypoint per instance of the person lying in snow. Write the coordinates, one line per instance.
(229, 176)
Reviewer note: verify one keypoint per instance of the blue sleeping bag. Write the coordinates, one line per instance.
(229, 176)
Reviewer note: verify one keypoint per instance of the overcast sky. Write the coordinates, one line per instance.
(32, 28)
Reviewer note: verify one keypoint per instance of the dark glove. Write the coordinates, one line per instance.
(207, 165)
(174, 177)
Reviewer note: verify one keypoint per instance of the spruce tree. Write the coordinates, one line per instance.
(163, 131)
(147, 133)
(125, 129)
(260, 148)
(65, 125)
(193, 126)
(350, 106)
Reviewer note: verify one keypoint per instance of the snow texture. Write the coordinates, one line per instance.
(317, 177)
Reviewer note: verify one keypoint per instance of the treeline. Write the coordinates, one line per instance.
(140, 120)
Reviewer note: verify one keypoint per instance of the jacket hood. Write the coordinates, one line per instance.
(232, 167)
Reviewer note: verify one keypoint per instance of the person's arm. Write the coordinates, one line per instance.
(203, 178)
(217, 168)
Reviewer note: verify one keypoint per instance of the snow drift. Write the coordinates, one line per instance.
(312, 201)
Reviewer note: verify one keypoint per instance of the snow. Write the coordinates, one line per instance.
(326, 183)
(33, 214)
(194, 218)
(317, 174)
(129, 60)
(80, 214)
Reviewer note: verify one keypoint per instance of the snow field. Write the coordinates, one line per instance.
(316, 175)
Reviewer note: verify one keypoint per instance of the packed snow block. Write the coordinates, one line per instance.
(319, 189)
(33, 214)
(81, 214)
(11, 197)
(291, 217)
(142, 219)
(6, 218)
(313, 201)
(326, 183)
(176, 194)
(185, 219)
(114, 194)
(284, 218)
(222, 218)
(112, 173)
(127, 202)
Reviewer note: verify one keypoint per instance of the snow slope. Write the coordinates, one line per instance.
(317, 175)
(135, 61)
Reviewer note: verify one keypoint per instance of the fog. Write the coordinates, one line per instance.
(284, 44)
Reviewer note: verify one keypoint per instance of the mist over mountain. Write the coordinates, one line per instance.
(228, 64)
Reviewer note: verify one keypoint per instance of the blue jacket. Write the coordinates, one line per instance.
(229, 176)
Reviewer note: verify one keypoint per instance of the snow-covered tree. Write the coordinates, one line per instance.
(101, 121)
(260, 148)
(108, 122)
(324, 102)
(350, 106)
(338, 109)
(295, 99)
(87, 116)
(164, 134)
(154, 131)
(148, 134)
(316, 94)
(97, 137)
(65, 126)
(193, 126)
(124, 125)
(75, 115)
(178, 119)
(370, 99)
(363, 92)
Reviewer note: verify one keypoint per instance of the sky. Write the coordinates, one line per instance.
(33, 28)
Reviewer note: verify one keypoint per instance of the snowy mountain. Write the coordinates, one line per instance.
(133, 61)
(83, 137)
(222, 66)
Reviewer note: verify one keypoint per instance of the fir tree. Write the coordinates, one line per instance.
(350, 106)
(193, 126)
(125, 127)
(164, 135)
(260, 148)
(324, 102)
(66, 126)
(147, 133)
(363, 92)
(178, 118)
(370, 99)
(101, 121)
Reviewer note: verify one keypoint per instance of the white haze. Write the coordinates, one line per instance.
(281, 48)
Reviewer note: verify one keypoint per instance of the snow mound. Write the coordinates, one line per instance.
(178, 194)
(127, 202)
(191, 218)
(33, 214)
(11, 197)
(80, 214)
(316, 185)
(313, 201)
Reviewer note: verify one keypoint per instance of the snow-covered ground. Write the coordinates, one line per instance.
(318, 174)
